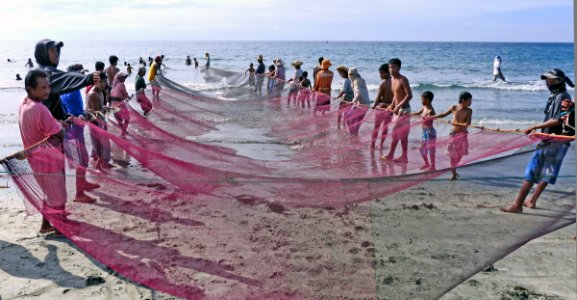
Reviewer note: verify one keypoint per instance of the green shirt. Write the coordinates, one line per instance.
(139, 83)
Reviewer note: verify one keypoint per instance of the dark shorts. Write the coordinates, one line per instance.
(546, 163)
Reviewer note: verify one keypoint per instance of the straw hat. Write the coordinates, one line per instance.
(297, 63)
(343, 69)
(260, 57)
(279, 61)
(326, 64)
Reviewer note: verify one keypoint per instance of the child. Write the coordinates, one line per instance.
(270, 84)
(459, 141)
(250, 72)
(346, 94)
(402, 95)
(429, 137)
(305, 91)
(294, 87)
(140, 88)
(129, 69)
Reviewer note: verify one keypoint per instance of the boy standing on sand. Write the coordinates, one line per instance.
(383, 116)
(459, 136)
(400, 106)
(429, 137)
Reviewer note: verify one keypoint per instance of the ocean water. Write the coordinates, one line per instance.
(445, 68)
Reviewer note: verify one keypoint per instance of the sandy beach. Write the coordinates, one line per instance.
(400, 241)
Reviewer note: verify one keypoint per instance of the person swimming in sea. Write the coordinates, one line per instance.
(18, 77)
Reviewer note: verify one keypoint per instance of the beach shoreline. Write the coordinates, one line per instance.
(54, 268)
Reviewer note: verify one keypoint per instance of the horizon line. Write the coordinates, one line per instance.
(309, 41)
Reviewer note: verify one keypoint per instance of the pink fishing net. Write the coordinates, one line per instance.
(306, 212)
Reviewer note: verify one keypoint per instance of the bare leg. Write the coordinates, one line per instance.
(517, 207)
(532, 202)
(392, 150)
(432, 153)
(384, 134)
(46, 227)
(423, 151)
(454, 163)
(404, 148)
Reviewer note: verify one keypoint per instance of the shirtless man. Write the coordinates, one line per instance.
(112, 69)
(384, 100)
(400, 106)
(459, 140)
(95, 113)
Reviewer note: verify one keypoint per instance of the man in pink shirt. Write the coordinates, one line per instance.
(47, 162)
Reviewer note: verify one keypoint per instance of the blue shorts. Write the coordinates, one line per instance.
(546, 163)
(428, 141)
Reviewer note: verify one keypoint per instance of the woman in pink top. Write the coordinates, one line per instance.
(117, 96)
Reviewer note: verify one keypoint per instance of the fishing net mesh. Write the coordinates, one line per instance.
(227, 193)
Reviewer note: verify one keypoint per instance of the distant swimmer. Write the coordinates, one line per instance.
(207, 56)
(8, 60)
(29, 64)
(129, 69)
(188, 60)
(497, 69)
(18, 77)
(195, 62)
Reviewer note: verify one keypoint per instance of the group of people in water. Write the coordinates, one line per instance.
(392, 105)
(53, 109)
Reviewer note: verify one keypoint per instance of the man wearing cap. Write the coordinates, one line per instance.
(544, 167)
(260, 69)
(47, 54)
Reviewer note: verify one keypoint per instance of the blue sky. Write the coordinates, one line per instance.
(366, 20)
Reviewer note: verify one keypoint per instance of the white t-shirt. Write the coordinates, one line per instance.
(496, 67)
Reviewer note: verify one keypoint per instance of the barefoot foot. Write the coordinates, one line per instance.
(512, 209)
